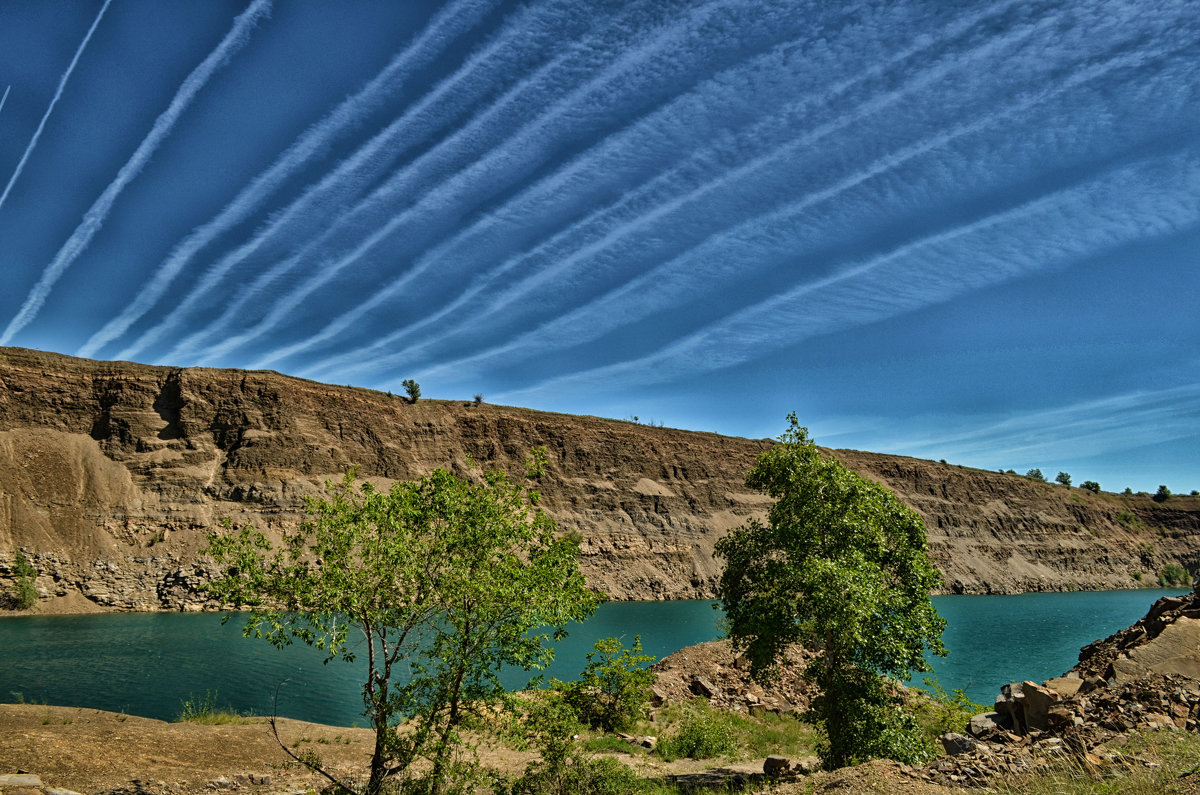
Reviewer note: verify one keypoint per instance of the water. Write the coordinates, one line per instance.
(146, 664)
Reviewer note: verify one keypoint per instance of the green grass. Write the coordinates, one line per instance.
(206, 712)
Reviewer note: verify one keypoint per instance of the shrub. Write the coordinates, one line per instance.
(613, 685)
(478, 398)
(1162, 495)
(1063, 478)
(24, 593)
(1036, 474)
(702, 734)
(1090, 485)
(1174, 575)
(205, 711)
(412, 389)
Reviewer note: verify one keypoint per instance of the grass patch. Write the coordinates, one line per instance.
(206, 712)
(1171, 755)
(608, 744)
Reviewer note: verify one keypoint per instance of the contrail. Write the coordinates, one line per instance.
(469, 82)
(237, 38)
(933, 270)
(62, 83)
(716, 93)
(447, 26)
(639, 298)
(518, 151)
(4, 98)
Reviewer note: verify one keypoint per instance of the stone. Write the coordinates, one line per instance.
(649, 742)
(1037, 702)
(703, 687)
(776, 765)
(1065, 687)
(806, 765)
(956, 743)
(1176, 650)
(988, 723)
(20, 780)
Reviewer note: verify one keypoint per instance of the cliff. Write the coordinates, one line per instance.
(111, 474)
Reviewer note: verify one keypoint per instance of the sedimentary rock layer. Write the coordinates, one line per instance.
(112, 473)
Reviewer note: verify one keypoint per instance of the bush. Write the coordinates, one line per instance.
(1174, 576)
(1063, 478)
(412, 389)
(613, 685)
(205, 711)
(1162, 495)
(1036, 474)
(702, 734)
(24, 593)
(1090, 485)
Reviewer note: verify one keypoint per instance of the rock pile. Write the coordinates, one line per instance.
(712, 671)
(1165, 640)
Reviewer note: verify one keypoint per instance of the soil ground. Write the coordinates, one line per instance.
(90, 751)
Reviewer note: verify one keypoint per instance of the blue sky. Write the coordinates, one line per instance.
(959, 231)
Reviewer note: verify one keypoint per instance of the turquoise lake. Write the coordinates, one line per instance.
(146, 664)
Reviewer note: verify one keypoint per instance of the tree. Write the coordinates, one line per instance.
(1036, 474)
(1090, 485)
(1063, 478)
(612, 687)
(412, 389)
(446, 581)
(840, 565)
(24, 593)
(1162, 495)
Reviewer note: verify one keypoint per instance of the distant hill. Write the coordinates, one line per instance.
(111, 473)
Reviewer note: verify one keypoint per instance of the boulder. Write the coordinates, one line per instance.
(956, 743)
(987, 724)
(1037, 703)
(1065, 686)
(1176, 650)
(703, 687)
(775, 766)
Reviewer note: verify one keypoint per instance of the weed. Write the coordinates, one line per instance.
(702, 733)
(205, 711)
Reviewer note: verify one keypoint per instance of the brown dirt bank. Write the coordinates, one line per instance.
(111, 474)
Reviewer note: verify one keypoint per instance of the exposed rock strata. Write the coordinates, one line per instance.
(111, 473)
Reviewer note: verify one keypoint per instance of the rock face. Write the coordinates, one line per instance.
(112, 473)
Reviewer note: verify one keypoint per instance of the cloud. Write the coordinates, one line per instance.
(62, 83)
(1156, 197)
(94, 218)
(448, 25)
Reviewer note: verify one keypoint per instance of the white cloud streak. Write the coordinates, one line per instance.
(1149, 199)
(512, 155)
(62, 83)
(531, 30)
(4, 98)
(447, 26)
(94, 218)
(652, 137)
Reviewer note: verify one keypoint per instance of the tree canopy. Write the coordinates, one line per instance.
(840, 565)
(439, 582)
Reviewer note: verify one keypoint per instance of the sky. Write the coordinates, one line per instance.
(960, 231)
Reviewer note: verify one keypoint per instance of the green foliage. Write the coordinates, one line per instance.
(1128, 492)
(478, 398)
(205, 711)
(1174, 576)
(24, 593)
(1036, 474)
(613, 685)
(412, 389)
(703, 733)
(939, 712)
(1063, 478)
(1162, 495)
(444, 581)
(1090, 485)
(840, 566)
(552, 724)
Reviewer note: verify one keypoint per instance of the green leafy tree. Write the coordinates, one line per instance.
(1036, 474)
(1090, 485)
(614, 684)
(442, 580)
(412, 389)
(1162, 495)
(1063, 478)
(24, 593)
(840, 565)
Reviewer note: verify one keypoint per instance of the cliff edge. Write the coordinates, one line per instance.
(111, 474)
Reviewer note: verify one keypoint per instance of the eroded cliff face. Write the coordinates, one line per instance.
(111, 474)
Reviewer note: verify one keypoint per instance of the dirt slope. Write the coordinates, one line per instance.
(111, 473)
